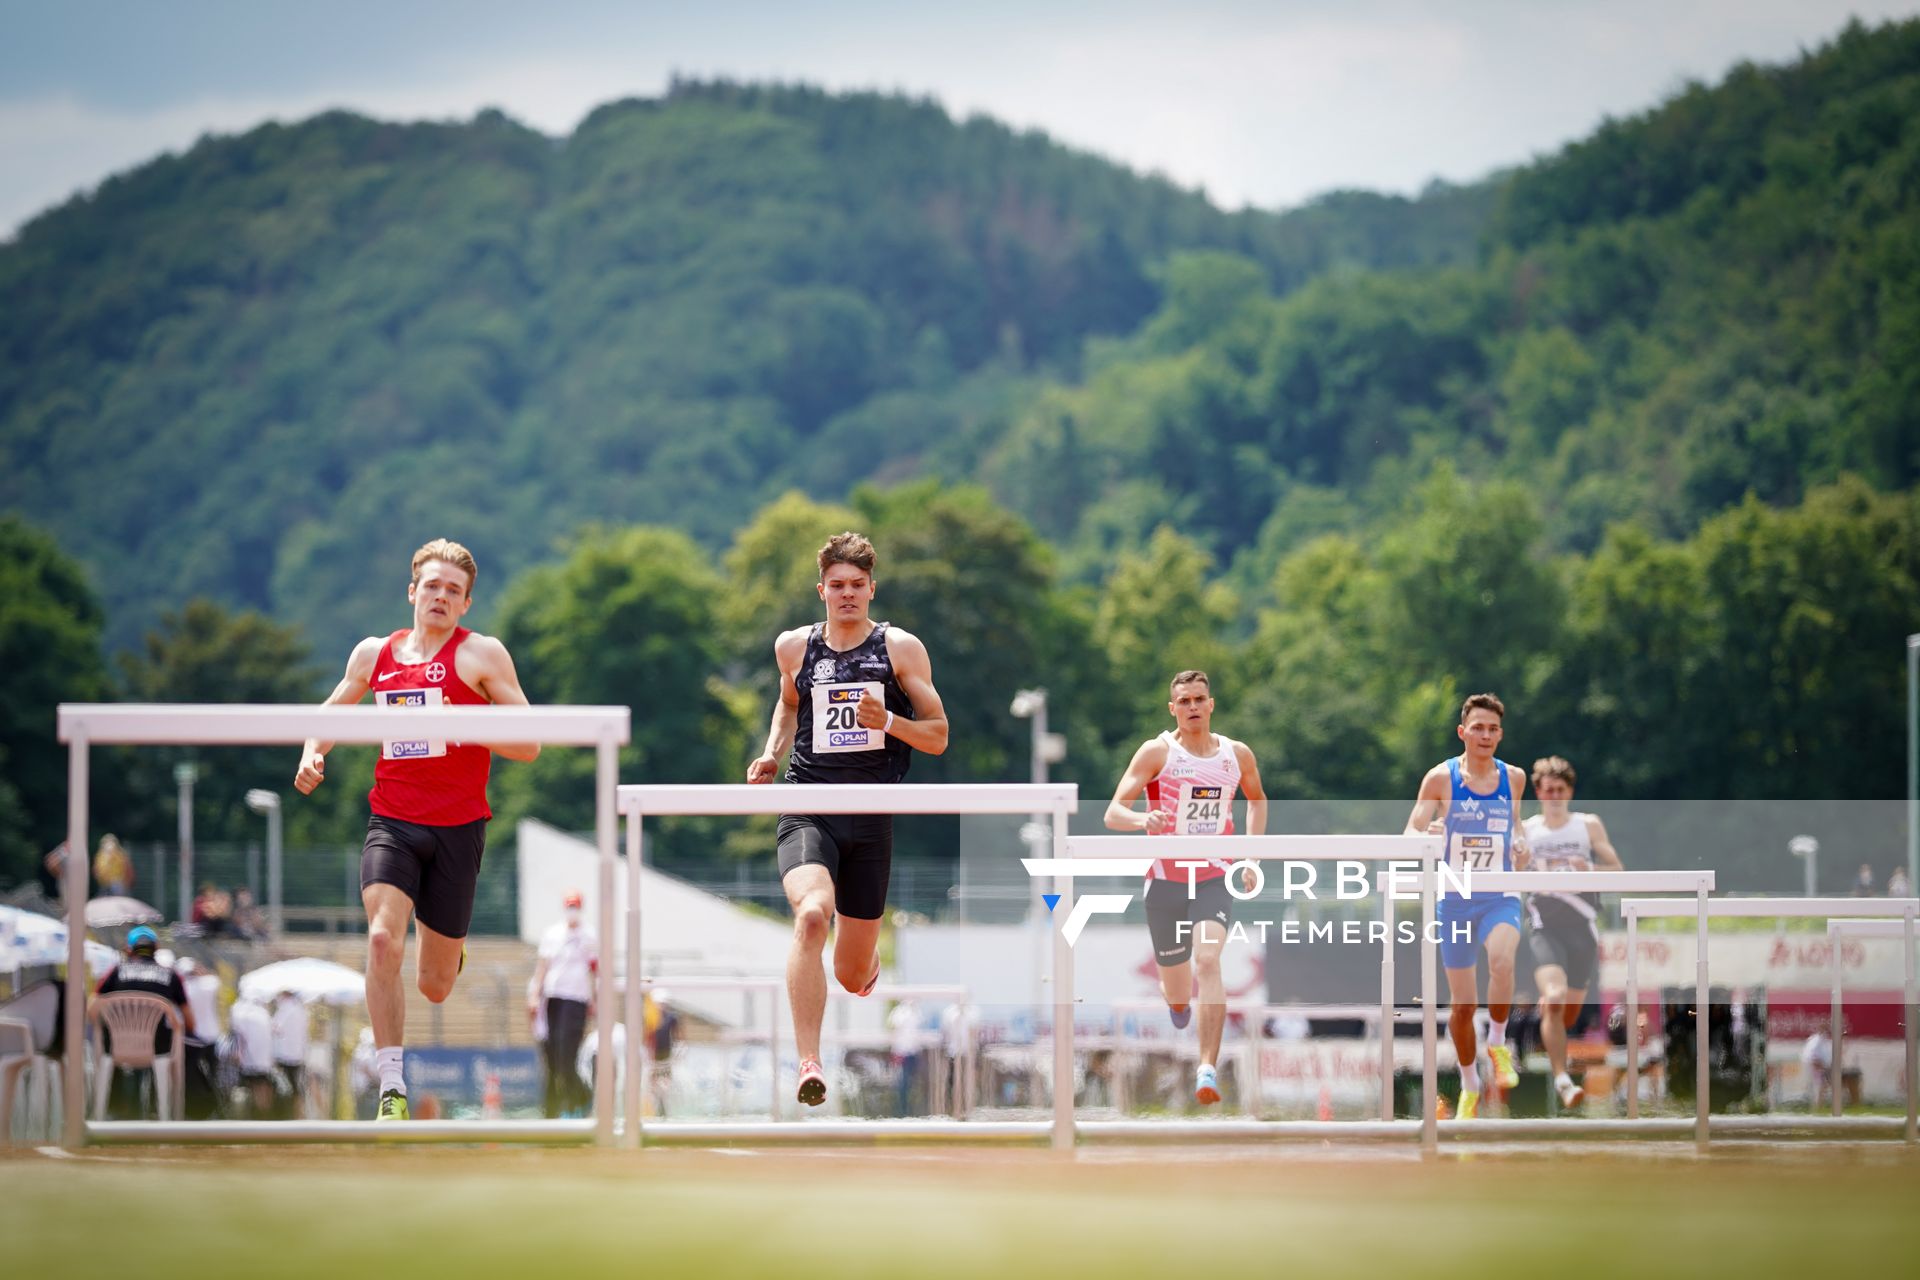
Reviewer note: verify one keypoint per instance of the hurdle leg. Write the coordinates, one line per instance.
(1913, 1033)
(605, 1070)
(1701, 1076)
(1386, 1009)
(634, 1008)
(1063, 1122)
(1633, 1016)
(73, 1128)
(1429, 1029)
(1835, 1029)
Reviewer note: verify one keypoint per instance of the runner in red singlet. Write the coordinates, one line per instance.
(429, 825)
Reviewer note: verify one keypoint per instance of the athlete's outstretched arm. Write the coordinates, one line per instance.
(1429, 816)
(1253, 789)
(500, 685)
(1145, 766)
(353, 686)
(788, 650)
(1605, 856)
(927, 731)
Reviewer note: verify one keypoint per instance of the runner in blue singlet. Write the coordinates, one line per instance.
(1474, 800)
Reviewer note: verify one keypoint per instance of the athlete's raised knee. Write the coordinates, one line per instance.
(853, 972)
(435, 988)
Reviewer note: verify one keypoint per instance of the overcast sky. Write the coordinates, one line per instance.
(1258, 103)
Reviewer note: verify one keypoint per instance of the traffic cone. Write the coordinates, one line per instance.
(490, 1099)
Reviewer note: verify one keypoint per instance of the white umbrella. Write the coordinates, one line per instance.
(29, 938)
(314, 981)
(109, 913)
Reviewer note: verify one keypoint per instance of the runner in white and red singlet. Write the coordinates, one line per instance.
(429, 800)
(1191, 775)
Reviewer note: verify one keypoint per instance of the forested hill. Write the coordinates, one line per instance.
(1719, 296)
(262, 370)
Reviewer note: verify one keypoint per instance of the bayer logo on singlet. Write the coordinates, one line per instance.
(436, 672)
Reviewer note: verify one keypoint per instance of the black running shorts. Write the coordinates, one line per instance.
(437, 867)
(855, 848)
(1168, 907)
(1574, 947)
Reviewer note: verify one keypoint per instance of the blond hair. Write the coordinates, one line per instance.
(450, 552)
(1552, 767)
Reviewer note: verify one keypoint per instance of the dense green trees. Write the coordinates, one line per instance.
(1628, 434)
(49, 653)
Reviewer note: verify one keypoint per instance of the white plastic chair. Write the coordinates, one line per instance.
(132, 1018)
(16, 1056)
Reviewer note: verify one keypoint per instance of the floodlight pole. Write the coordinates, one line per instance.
(268, 802)
(185, 775)
(1807, 849)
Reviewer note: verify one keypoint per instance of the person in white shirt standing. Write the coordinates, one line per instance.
(569, 959)
(253, 1043)
(290, 1034)
(203, 997)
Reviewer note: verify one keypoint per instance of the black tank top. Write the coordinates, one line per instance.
(828, 743)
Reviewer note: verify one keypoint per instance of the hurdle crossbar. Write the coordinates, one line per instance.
(356, 1132)
(1902, 929)
(640, 802)
(1702, 909)
(81, 726)
(742, 799)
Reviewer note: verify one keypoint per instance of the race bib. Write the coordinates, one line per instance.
(1473, 852)
(1202, 810)
(410, 748)
(836, 726)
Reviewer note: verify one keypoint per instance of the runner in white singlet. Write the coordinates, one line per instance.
(1191, 775)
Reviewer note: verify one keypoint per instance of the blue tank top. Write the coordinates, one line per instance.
(1480, 828)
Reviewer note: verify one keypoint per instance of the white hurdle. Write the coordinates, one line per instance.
(83, 726)
(638, 803)
(1124, 855)
(1902, 929)
(1702, 909)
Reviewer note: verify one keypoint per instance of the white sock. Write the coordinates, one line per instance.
(1563, 1081)
(1469, 1079)
(392, 1063)
(1497, 1033)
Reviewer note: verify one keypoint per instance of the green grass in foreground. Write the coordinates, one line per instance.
(1306, 1211)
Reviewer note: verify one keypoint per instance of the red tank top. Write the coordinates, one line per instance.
(428, 780)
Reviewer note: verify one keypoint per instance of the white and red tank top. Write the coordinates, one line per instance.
(430, 781)
(1197, 792)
